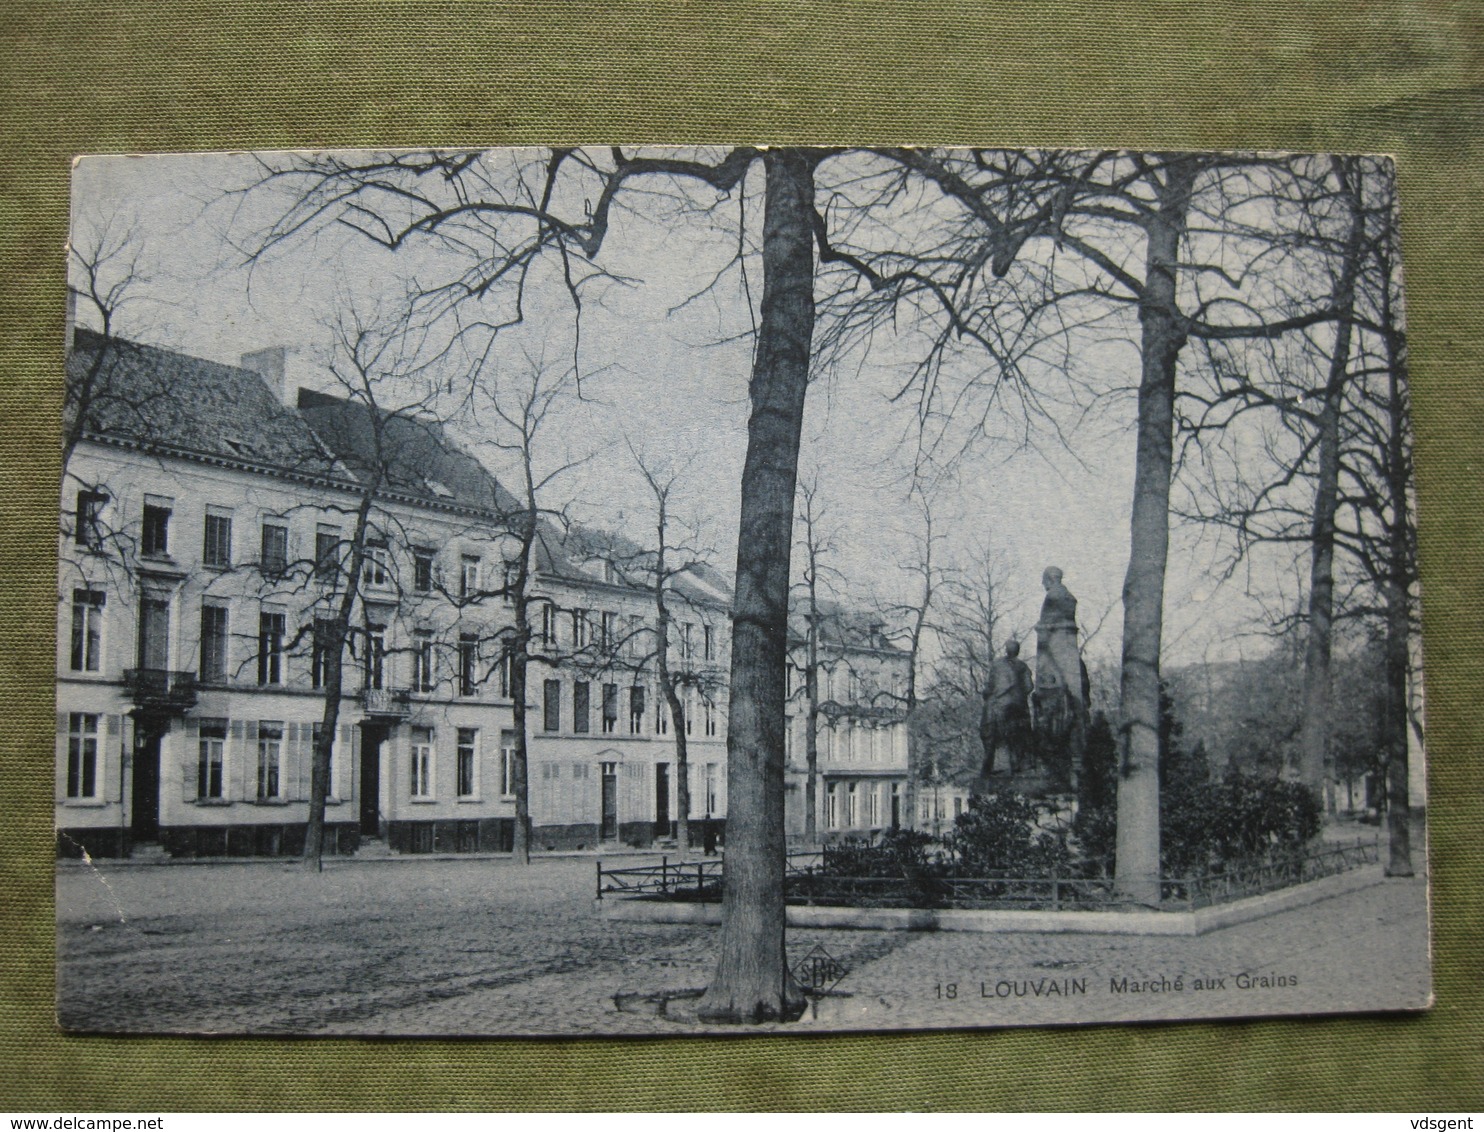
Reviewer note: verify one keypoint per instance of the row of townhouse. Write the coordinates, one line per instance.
(862, 785)
(208, 514)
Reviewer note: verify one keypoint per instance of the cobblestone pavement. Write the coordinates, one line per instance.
(482, 947)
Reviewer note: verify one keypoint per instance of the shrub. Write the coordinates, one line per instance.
(899, 853)
(1001, 833)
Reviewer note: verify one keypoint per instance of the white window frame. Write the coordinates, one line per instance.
(424, 662)
(472, 794)
(421, 750)
(270, 761)
(91, 628)
(82, 755)
(376, 565)
(211, 751)
(507, 764)
(469, 571)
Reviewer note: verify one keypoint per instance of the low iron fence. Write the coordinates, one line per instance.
(808, 881)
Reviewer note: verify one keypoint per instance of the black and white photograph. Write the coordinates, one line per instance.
(661, 591)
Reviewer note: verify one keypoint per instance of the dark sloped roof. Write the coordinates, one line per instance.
(421, 461)
(842, 627)
(157, 398)
(570, 551)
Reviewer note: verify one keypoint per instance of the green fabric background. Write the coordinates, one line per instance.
(1404, 78)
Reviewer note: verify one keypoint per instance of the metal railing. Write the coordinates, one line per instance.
(1253, 878)
(807, 882)
(396, 702)
(161, 689)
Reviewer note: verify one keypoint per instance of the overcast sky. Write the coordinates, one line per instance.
(662, 379)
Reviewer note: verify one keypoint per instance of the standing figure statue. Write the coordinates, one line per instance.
(1006, 721)
(1060, 697)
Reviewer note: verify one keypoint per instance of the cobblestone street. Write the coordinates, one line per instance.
(475, 947)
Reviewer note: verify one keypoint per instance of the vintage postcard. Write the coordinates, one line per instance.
(655, 591)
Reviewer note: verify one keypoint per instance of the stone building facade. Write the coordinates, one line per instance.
(207, 512)
(862, 732)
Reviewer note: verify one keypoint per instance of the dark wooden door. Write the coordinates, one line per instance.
(371, 738)
(662, 799)
(608, 823)
(144, 810)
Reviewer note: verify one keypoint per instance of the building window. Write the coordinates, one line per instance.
(873, 806)
(688, 708)
(610, 572)
(87, 630)
(551, 715)
(633, 625)
(511, 582)
(468, 664)
(507, 764)
(711, 801)
(270, 757)
(852, 811)
(422, 569)
(423, 674)
(610, 708)
(82, 755)
(685, 642)
(209, 758)
(507, 675)
(422, 762)
(581, 707)
(607, 630)
(326, 553)
(154, 632)
(469, 578)
(319, 668)
(377, 569)
(156, 536)
(332, 779)
(636, 710)
(275, 556)
(661, 716)
(582, 629)
(468, 748)
(375, 656)
(216, 542)
(89, 531)
(548, 626)
(708, 642)
(710, 712)
(271, 628)
(832, 807)
(213, 644)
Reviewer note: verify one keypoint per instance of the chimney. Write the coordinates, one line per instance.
(271, 365)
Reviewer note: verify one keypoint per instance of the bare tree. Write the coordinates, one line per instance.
(815, 541)
(376, 366)
(670, 561)
(514, 412)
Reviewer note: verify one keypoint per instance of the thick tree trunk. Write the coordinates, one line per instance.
(672, 703)
(752, 981)
(1398, 612)
(520, 786)
(334, 676)
(1137, 867)
(1316, 761)
(811, 720)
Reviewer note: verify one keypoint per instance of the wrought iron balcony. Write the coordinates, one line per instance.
(161, 691)
(387, 703)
